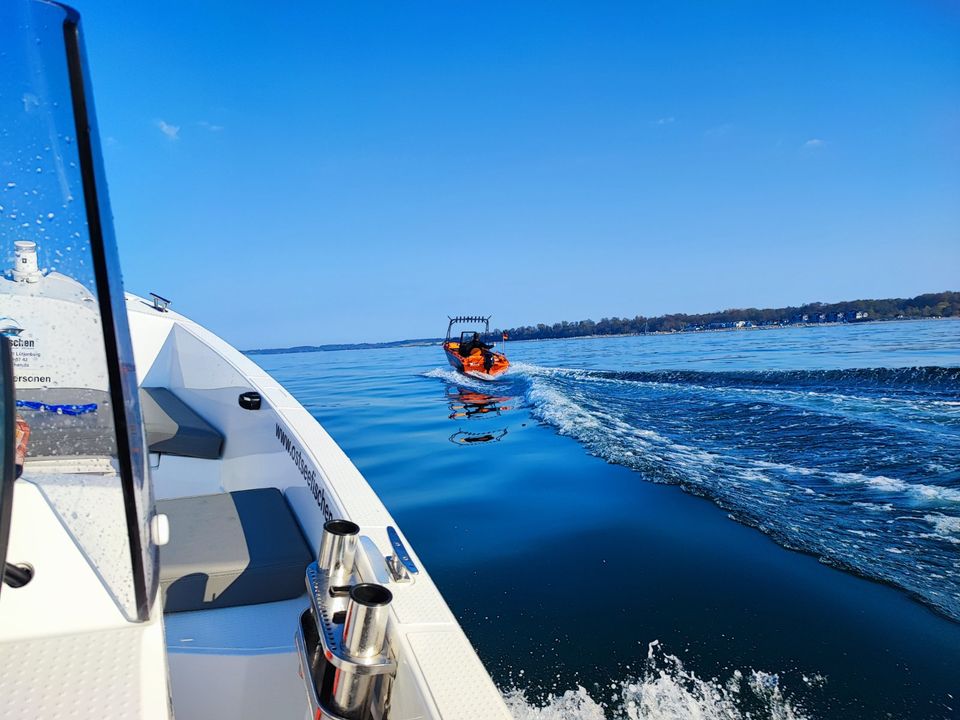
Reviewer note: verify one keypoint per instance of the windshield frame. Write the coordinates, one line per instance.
(7, 450)
(121, 372)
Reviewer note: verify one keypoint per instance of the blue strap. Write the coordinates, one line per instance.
(58, 409)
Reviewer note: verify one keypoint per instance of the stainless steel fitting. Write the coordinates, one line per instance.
(364, 634)
(338, 549)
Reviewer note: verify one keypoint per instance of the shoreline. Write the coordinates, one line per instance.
(398, 344)
(788, 326)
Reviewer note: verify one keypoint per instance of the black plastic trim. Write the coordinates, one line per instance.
(17, 575)
(9, 439)
(250, 400)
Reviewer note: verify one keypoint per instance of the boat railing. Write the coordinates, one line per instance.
(462, 319)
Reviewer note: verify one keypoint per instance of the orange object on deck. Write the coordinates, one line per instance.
(470, 355)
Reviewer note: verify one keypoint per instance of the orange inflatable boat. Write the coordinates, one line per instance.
(469, 354)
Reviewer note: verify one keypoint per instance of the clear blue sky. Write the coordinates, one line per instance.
(303, 173)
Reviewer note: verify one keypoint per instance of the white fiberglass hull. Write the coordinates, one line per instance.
(241, 662)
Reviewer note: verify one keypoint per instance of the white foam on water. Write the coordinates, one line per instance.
(605, 434)
(756, 490)
(559, 410)
(572, 705)
(944, 523)
(666, 691)
(945, 527)
(562, 410)
(935, 493)
(873, 507)
(882, 483)
(522, 368)
(455, 378)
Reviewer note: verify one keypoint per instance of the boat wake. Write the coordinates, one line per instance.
(859, 467)
(453, 377)
(665, 690)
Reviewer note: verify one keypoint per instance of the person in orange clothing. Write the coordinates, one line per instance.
(475, 343)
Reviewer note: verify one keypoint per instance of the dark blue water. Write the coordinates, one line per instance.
(549, 507)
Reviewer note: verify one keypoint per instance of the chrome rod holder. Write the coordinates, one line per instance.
(331, 631)
(338, 550)
(364, 634)
(341, 639)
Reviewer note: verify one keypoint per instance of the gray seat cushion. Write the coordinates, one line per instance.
(239, 548)
(173, 428)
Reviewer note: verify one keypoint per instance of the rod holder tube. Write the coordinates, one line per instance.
(364, 634)
(338, 549)
(365, 627)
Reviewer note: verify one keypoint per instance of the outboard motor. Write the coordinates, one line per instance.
(344, 657)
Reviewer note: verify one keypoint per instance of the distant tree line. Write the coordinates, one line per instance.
(944, 304)
(343, 346)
